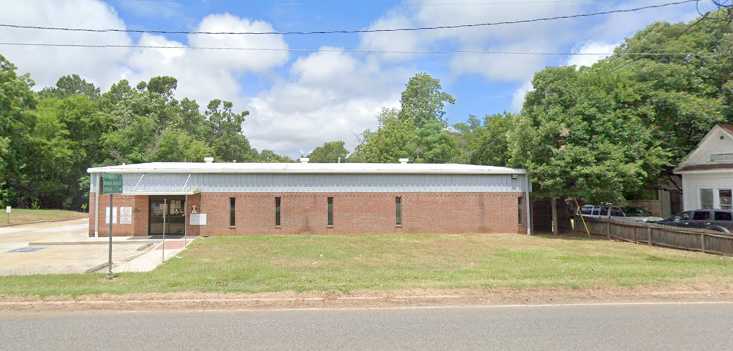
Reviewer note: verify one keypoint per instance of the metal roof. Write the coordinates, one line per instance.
(305, 168)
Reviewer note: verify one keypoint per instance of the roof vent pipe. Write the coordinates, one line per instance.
(404, 161)
(304, 160)
(208, 159)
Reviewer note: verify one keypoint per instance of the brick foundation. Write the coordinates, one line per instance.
(353, 213)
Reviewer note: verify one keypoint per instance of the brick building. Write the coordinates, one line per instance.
(209, 198)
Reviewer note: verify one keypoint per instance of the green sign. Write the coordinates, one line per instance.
(111, 183)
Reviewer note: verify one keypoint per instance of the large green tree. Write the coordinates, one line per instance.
(17, 146)
(577, 139)
(329, 152)
(416, 131)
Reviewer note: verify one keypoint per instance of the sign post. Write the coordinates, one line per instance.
(111, 184)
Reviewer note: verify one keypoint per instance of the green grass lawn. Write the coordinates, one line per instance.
(25, 216)
(336, 263)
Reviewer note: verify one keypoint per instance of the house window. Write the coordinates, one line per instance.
(725, 198)
(398, 210)
(232, 211)
(706, 198)
(277, 210)
(726, 157)
(519, 210)
(330, 210)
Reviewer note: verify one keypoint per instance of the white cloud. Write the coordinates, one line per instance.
(207, 74)
(330, 95)
(402, 44)
(519, 95)
(47, 64)
(591, 48)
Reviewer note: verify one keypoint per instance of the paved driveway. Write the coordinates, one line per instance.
(74, 251)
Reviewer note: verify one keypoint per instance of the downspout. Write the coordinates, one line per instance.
(528, 203)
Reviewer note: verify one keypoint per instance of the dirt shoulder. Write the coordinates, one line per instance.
(215, 301)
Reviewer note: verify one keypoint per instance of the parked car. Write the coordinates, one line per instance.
(640, 215)
(594, 211)
(717, 220)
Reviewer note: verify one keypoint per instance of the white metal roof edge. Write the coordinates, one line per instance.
(703, 171)
(153, 193)
(310, 168)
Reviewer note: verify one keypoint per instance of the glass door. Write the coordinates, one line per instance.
(172, 210)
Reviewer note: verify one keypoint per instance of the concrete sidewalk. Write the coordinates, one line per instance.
(153, 257)
(65, 247)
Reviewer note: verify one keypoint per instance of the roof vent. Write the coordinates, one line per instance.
(304, 160)
(404, 161)
(208, 159)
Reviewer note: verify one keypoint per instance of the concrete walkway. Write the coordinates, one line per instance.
(152, 258)
(65, 247)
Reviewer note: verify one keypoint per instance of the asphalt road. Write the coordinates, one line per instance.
(574, 327)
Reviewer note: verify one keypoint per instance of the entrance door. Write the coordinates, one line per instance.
(175, 216)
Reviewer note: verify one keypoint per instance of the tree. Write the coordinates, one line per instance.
(329, 152)
(17, 122)
(271, 156)
(394, 139)
(424, 100)
(177, 145)
(577, 139)
(228, 142)
(487, 143)
(71, 85)
(416, 131)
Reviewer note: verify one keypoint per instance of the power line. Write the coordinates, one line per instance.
(362, 51)
(350, 31)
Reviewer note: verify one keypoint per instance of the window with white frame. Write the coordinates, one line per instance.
(725, 198)
(706, 199)
(722, 157)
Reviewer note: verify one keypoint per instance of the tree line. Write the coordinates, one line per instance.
(600, 133)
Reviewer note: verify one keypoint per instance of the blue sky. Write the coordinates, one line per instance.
(299, 100)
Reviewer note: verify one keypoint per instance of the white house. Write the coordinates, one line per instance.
(707, 172)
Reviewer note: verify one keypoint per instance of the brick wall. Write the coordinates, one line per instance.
(362, 213)
(139, 225)
(353, 213)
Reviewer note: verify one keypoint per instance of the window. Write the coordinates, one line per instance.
(725, 157)
(596, 212)
(277, 210)
(725, 198)
(604, 211)
(398, 210)
(330, 210)
(685, 216)
(519, 211)
(617, 212)
(701, 216)
(232, 211)
(723, 216)
(706, 198)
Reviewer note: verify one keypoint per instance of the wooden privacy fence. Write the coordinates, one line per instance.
(660, 235)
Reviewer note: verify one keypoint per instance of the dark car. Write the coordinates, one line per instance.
(717, 220)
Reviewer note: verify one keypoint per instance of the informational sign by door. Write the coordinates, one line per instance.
(114, 215)
(125, 215)
(198, 218)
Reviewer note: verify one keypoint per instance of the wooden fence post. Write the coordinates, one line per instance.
(649, 235)
(702, 242)
(608, 229)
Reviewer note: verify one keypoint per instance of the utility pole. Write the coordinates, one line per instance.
(165, 212)
(109, 246)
